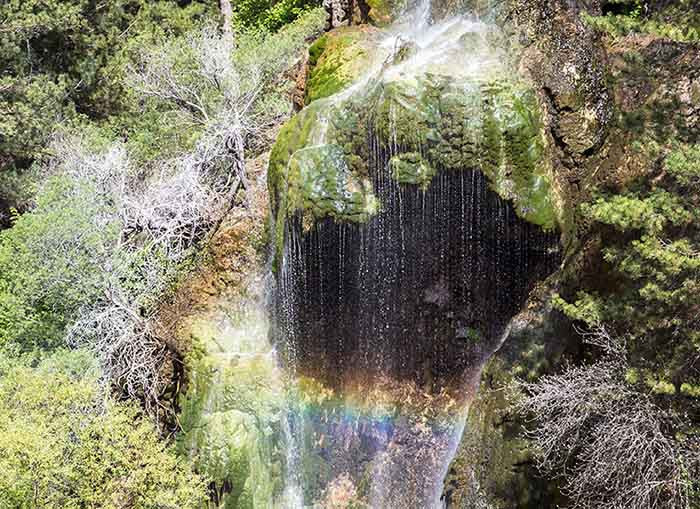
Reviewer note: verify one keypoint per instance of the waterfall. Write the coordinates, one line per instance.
(384, 324)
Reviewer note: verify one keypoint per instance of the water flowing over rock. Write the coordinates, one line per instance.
(413, 214)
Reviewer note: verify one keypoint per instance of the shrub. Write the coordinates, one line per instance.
(271, 14)
(651, 254)
(59, 448)
(50, 263)
(611, 444)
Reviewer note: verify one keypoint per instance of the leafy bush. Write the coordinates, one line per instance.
(64, 63)
(59, 448)
(89, 263)
(271, 14)
(50, 263)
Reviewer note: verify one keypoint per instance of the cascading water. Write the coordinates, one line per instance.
(400, 263)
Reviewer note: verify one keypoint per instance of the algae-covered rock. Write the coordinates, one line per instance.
(230, 415)
(318, 163)
(491, 125)
(411, 168)
(337, 59)
(453, 108)
(321, 183)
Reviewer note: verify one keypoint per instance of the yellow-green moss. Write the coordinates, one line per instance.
(493, 126)
(337, 59)
(411, 168)
(230, 410)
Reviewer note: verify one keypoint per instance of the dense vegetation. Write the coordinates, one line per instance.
(632, 402)
(124, 129)
(676, 21)
(65, 447)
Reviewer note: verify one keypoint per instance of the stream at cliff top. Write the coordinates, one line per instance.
(411, 224)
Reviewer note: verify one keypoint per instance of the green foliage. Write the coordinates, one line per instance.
(651, 256)
(59, 448)
(679, 23)
(64, 62)
(682, 164)
(271, 14)
(85, 264)
(586, 308)
(50, 263)
(86, 244)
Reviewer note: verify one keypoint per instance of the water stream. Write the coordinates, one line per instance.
(383, 325)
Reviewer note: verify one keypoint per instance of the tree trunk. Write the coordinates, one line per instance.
(227, 14)
(236, 147)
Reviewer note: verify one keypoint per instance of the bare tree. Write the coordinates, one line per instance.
(158, 221)
(231, 95)
(611, 445)
(234, 89)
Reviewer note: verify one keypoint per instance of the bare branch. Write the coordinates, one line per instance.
(611, 445)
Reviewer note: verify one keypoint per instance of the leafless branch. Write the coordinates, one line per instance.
(611, 445)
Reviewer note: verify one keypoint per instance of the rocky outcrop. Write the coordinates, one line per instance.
(566, 62)
(337, 59)
(494, 467)
(605, 95)
(227, 390)
(490, 121)
(345, 12)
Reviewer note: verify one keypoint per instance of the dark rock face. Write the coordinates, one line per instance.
(566, 60)
(422, 291)
(393, 319)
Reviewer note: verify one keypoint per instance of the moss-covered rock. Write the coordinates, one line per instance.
(320, 183)
(337, 59)
(429, 123)
(230, 413)
(411, 168)
(491, 125)
(417, 116)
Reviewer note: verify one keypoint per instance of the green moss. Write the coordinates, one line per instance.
(336, 60)
(411, 168)
(493, 126)
(318, 166)
(315, 178)
(293, 135)
(317, 49)
(320, 182)
(230, 411)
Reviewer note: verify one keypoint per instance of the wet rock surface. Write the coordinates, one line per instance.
(413, 215)
(601, 95)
